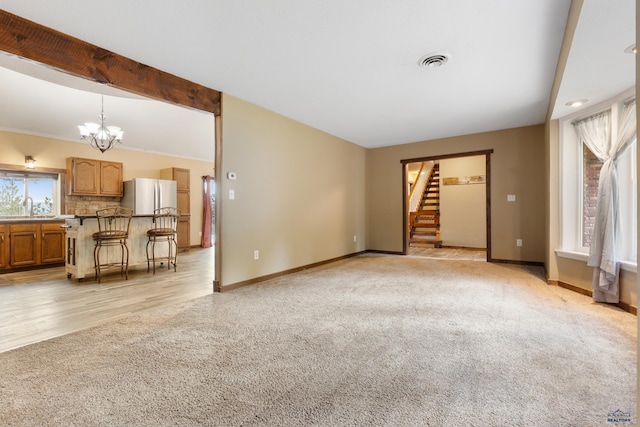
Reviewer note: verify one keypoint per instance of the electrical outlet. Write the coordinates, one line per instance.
(511, 197)
(355, 238)
(519, 242)
(256, 254)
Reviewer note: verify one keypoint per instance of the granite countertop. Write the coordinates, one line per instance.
(82, 217)
(35, 218)
(86, 216)
(61, 218)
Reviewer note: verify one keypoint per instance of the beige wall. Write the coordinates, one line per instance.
(552, 199)
(578, 274)
(517, 167)
(299, 194)
(463, 212)
(52, 153)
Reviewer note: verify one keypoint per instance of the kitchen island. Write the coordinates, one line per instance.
(79, 245)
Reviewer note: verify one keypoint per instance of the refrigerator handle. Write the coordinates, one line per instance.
(160, 196)
(155, 196)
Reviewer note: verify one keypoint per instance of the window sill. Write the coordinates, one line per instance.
(579, 256)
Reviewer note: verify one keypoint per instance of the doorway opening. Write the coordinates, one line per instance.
(446, 206)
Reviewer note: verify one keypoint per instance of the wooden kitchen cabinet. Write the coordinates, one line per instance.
(52, 243)
(182, 177)
(31, 244)
(24, 242)
(184, 230)
(4, 246)
(111, 179)
(184, 201)
(90, 177)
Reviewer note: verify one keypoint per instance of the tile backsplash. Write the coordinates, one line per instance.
(83, 205)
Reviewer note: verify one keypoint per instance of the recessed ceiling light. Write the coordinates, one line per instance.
(631, 49)
(577, 102)
(433, 60)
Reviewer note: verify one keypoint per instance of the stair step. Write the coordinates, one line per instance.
(424, 233)
(431, 244)
(424, 240)
(425, 226)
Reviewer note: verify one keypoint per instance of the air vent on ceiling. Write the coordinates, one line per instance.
(433, 60)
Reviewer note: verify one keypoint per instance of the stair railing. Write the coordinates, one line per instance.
(420, 185)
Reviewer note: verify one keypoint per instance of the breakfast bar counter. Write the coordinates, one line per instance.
(79, 245)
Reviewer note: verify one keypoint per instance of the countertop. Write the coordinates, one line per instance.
(36, 219)
(82, 217)
(61, 218)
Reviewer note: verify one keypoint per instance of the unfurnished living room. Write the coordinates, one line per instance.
(415, 213)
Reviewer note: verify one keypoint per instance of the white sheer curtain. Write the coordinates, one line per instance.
(595, 132)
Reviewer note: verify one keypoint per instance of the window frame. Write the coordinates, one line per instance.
(62, 173)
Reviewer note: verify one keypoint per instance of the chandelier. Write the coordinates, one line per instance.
(100, 136)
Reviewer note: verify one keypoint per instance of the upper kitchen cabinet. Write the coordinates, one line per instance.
(111, 179)
(90, 177)
(182, 178)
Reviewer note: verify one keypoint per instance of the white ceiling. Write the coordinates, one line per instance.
(347, 67)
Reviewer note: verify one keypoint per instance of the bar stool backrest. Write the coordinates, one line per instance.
(166, 221)
(114, 223)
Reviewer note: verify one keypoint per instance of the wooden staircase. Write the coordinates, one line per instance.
(424, 224)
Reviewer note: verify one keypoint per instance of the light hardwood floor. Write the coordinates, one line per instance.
(467, 254)
(41, 304)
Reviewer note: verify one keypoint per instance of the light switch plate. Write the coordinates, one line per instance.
(232, 194)
(511, 197)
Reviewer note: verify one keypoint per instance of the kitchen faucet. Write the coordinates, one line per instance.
(26, 199)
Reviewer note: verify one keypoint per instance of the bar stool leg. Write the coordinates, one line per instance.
(96, 259)
(147, 252)
(175, 254)
(126, 266)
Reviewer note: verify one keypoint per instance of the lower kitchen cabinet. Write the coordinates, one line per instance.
(184, 229)
(4, 246)
(31, 244)
(24, 244)
(52, 243)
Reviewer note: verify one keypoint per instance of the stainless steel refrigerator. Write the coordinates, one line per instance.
(143, 195)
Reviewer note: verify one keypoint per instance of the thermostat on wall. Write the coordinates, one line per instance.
(231, 175)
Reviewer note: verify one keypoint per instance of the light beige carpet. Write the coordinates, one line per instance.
(373, 340)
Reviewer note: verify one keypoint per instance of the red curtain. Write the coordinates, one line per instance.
(206, 214)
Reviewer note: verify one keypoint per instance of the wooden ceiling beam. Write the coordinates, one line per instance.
(29, 40)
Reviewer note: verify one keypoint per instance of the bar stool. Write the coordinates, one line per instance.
(113, 230)
(165, 229)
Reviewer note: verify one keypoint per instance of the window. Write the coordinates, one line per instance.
(580, 171)
(28, 193)
(591, 166)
